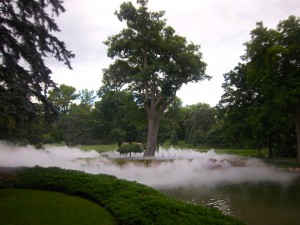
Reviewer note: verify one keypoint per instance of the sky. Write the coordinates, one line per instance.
(220, 27)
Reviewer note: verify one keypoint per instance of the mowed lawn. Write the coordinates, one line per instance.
(99, 148)
(35, 207)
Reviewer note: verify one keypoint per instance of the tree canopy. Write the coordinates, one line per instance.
(151, 61)
(264, 92)
(26, 39)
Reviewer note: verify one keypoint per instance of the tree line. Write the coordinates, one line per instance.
(89, 117)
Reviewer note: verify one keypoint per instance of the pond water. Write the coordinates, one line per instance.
(243, 187)
(254, 202)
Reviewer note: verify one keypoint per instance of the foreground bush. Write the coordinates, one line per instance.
(129, 202)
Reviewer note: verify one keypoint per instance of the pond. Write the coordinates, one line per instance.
(254, 202)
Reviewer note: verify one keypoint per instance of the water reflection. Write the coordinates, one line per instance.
(256, 203)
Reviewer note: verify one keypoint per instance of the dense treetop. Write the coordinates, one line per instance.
(26, 39)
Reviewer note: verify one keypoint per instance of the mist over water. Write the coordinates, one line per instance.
(173, 168)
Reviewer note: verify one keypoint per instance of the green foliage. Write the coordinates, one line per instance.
(63, 97)
(117, 134)
(174, 138)
(117, 109)
(35, 207)
(26, 39)
(262, 96)
(131, 148)
(99, 147)
(199, 119)
(215, 135)
(129, 202)
(87, 97)
(76, 121)
(173, 120)
(151, 61)
(273, 67)
(76, 126)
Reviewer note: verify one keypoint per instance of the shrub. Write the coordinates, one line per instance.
(117, 134)
(131, 148)
(174, 138)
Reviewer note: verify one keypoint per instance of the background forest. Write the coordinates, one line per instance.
(89, 117)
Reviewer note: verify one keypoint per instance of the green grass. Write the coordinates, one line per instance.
(241, 152)
(277, 162)
(99, 148)
(34, 207)
(283, 162)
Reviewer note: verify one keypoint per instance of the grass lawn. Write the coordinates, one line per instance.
(26, 206)
(283, 162)
(99, 148)
(241, 152)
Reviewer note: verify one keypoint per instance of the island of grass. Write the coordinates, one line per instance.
(129, 202)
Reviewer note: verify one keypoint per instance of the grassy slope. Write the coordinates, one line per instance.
(129, 202)
(25, 206)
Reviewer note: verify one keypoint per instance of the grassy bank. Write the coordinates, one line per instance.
(35, 207)
(129, 202)
(235, 151)
(285, 163)
(99, 148)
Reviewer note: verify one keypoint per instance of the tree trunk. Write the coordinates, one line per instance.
(298, 134)
(153, 126)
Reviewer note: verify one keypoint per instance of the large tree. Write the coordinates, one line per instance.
(241, 110)
(117, 110)
(273, 58)
(63, 97)
(151, 61)
(262, 96)
(199, 118)
(26, 39)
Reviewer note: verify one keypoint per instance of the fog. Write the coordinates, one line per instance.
(172, 168)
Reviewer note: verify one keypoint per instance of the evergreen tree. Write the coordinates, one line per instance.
(174, 138)
(26, 39)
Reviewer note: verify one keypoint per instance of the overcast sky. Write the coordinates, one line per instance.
(219, 26)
